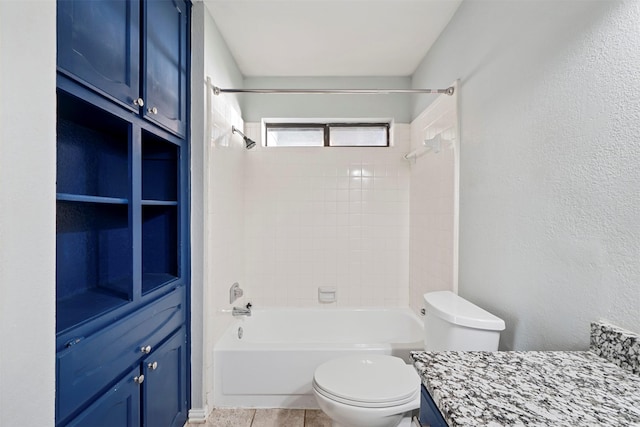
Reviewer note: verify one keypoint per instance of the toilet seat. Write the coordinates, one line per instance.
(369, 381)
(364, 405)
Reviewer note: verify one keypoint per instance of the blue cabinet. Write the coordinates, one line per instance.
(131, 51)
(89, 364)
(94, 224)
(152, 394)
(119, 406)
(164, 393)
(160, 215)
(165, 50)
(122, 283)
(99, 45)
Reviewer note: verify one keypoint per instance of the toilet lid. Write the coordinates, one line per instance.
(368, 380)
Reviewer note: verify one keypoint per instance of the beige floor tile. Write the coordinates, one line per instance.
(278, 418)
(316, 418)
(225, 417)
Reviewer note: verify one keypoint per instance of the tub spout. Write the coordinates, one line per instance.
(242, 311)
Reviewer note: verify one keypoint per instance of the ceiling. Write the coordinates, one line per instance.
(330, 37)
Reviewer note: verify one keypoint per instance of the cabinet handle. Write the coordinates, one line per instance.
(139, 379)
(153, 110)
(138, 102)
(146, 349)
(152, 366)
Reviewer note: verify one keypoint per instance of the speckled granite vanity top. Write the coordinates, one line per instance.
(599, 387)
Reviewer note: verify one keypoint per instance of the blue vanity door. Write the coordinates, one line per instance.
(429, 413)
(99, 45)
(164, 394)
(166, 44)
(120, 406)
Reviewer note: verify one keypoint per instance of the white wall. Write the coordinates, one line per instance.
(550, 108)
(197, 241)
(27, 212)
(217, 199)
(318, 216)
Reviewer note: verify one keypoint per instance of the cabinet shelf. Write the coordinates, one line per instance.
(159, 169)
(159, 203)
(92, 150)
(94, 259)
(159, 246)
(78, 308)
(151, 281)
(81, 198)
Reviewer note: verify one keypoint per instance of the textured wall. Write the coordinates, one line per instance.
(549, 208)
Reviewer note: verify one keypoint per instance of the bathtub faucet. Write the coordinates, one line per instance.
(242, 311)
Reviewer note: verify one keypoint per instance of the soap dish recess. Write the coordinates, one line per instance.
(327, 294)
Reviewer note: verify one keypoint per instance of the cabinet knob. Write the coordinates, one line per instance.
(138, 102)
(153, 110)
(152, 366)
(146, 349)
(138, 379)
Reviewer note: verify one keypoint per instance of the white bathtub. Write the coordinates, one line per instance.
(272, 365)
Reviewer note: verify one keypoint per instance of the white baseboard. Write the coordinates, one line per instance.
(198, 415)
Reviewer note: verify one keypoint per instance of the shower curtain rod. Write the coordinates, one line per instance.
(447, 91)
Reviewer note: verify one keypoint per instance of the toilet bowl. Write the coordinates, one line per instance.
(381, 391)
(372, 391)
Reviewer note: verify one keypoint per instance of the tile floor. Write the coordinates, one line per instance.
(223, 417)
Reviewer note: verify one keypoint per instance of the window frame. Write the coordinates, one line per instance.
(326, 126)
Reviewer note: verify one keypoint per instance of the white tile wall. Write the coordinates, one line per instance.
(432, 215)
(327, 217)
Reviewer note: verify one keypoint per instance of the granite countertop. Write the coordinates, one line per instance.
(599, 387)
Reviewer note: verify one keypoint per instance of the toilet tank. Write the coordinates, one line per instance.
(453, 323)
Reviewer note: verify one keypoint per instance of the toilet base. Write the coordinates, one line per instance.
(405, 421)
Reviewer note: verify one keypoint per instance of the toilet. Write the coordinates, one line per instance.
(382, 391)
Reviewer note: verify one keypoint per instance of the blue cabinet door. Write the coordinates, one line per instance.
(99, 45)
(165, 51)
(164, 394)
(120, 406)
(429, 413)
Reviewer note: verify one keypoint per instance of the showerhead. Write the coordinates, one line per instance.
(248, 142)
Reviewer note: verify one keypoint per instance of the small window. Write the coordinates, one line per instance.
(327, 134)
(295, 135)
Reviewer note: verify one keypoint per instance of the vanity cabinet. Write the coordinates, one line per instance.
(429, 413)
(122, 223)
(133, 52)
